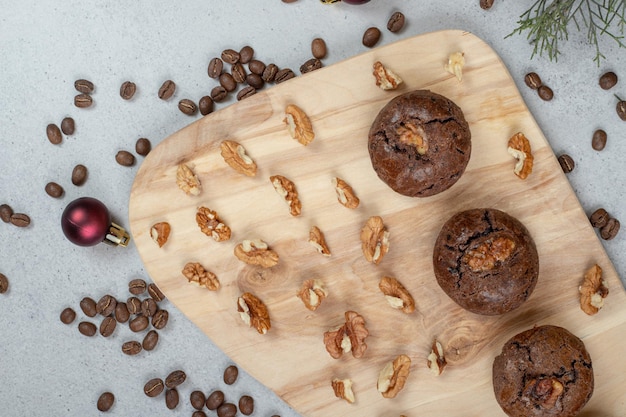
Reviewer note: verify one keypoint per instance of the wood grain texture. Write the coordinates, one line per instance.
(342, 100)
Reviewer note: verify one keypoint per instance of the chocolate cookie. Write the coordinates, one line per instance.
(544, 371)
(486, 261)
(420, 143)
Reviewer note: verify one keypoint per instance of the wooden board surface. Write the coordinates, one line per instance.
(342, 100)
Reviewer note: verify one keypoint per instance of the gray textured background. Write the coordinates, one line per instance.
(48, 368)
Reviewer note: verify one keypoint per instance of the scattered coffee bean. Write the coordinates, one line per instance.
(246, 92)
(227, 410)
(610, 229)
(83, 101)
(218, 93)
(230, 374)
(227, 81)
(255, 81)
(87, 328)
(54, 134)
(198, 413)
(395, 22)
(214, 400)
(608, 80)
(84, 86)
(54, 190)
(371, 37)
(187, 106)
(167, 90)
(269, 73)
(599, 218)
(238, 72)
(486, 4)
(171, 398)
(154, 387)
(567, 163)
(545, 92)
(533, 80)
(5, 213)
(310, 65)
(245, 54)
(127, 90)
(79, 175)
(68, 315)
(175, 378)
(138, 324)
(131, 348)
(125, 158)
(216, 67)
(620, 108)
(256, 67)
(68, 126)
(106, 305)
(246, 405)
(159, 319)
(4, 287)
(197, 399)
(122, 315)
(107, 327)
(88, 305)
(230, 56)
(149, 307)
(134, 305)
(155, 293)
(205, 105)
(20, 220)
(150, 340)
(105, 401)
(598, 140)
(143, 146)
(137, 286)
(318, 48)
(284, 75)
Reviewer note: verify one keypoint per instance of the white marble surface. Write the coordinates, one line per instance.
(48, 368)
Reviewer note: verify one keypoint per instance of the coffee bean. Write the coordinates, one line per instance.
(4, 287)
(246, 405)
(620, 108)
(533, 80)
(171, 398)
(167, 90)
(84, 86)
(230, 56)
(598, 140)
(83, 101)
(54, 190)
(545, 92)
(371, 37)
(567, 163)
(395, 22)
(227, 410)
(255, 80)
(239, 73)
(599, 218)
(187, 106)
(284, 75)
(198, 413)
(256, 67)
(86, 328)
(106, 305)
(122, 315)
(175, 378)
(131, 348)
(218, 93)
(245, 54)
(68, 315)
(149, 307)
(159, 319)
(155, 293)
(67, 126)
(230, 374)
(228, 82)
(486, 4)
(105, 401)
(150, 340)
(318, 48)
(608, 80)
(20, 220)
(610, 229)
(127, 90)
(205, 105)
(310, 65)
(246, 92)
(143, 146)
(54, 134)
(139, 324)
(269, 73)
(197, 399)
(125, 158)
(214, 400)
(134, 305)
(79, 175)
(5, 213)
(88, 305)
(216, 66)
(154, 387)
(107, 327)
(137, 286)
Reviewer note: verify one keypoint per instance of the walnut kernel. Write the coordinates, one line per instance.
(211, 225)
(187, 180)
(343, 389)
(544, 391)
(299, 124)
(256, 252)
(235, 155)
(487, 254)
(287, 190)
(160, 232)
(385, 78)
(414, 136)
(456, 62)
(393, 376)
(254, 312)
(350, 337)
(519, 148)
(345, 193)
(396, 294)
(593, 291)
(312, 293)
(196, 274)
(436, 359)
(374, 240)
(316, 238)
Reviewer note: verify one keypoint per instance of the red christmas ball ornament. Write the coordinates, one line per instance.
(86, 221)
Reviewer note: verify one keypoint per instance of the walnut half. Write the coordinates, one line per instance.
(256, 252)
(236, 157)
(385, 78)
(393, 376)
(593, 291)
(519, 148)
(436, 359)
(211, 225)
(160, 232)
(455, 64)
(350, 337)
(287, 190)
(196, 274)
(343, 389)
(374, 240)
(312, 293)
(316, 238)
(253, 312)
(396, 294)
(187, 180)
(345, 194)
(298, 124)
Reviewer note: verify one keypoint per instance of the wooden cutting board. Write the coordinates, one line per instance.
(342, 100)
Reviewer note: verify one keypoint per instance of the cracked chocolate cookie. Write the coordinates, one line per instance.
(486, 261)
(420, 143)
(544, 371)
